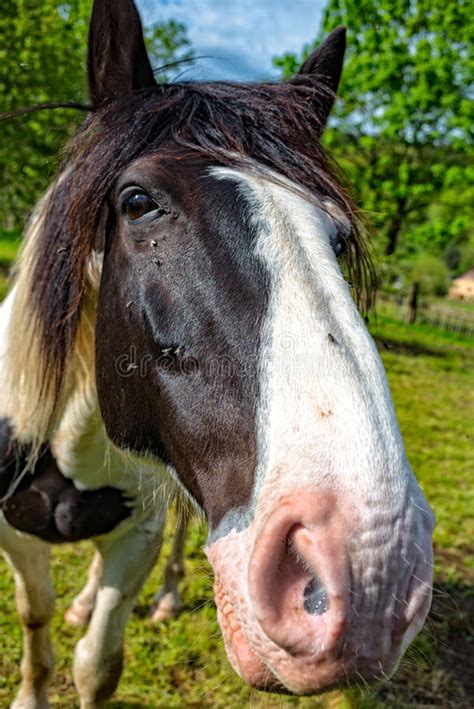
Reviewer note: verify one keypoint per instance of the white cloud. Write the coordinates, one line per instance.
(242, 35)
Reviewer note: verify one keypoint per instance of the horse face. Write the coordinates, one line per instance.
(228, 345)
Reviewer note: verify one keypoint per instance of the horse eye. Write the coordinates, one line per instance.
(136, 205)
(339, 245)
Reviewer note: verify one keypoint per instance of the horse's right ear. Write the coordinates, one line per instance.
(117, 61)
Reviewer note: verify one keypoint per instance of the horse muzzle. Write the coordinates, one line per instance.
(319, 601)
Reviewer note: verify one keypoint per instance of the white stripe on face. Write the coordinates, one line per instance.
(326, 418)
(336, 514)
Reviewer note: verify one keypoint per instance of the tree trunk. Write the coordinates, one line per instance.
(413, 303)
(395, 227)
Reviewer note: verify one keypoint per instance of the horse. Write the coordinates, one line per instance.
(183, 317)
(167, 602)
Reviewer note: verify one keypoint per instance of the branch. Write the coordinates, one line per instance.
(44, 106)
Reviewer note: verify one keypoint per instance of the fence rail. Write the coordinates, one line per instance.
(444, 317)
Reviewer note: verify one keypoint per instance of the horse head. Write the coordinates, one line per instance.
(228, 346)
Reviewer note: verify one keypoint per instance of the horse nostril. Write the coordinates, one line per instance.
(316, 601)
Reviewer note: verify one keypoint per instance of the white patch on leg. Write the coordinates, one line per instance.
(128, 558)
(167, 602)
(29, 560)
(80, 611)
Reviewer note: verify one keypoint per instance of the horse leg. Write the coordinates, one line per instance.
(167, 603)
(80, 611)
(29, 559)
(127, 560)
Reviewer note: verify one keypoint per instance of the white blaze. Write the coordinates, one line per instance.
(326, 418)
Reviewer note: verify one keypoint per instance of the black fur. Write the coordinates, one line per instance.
(46, 504)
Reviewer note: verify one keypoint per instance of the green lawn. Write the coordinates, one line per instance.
(183, 663)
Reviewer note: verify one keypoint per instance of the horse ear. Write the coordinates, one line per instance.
(325, 64)
(117, 62)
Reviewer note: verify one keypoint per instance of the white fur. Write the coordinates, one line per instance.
(127, 560)
(80, 611)
(326, 415)
(5, 316)
(167, 602)
(29, 560)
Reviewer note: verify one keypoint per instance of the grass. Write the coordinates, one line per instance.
(462, 305)
(9, 243)
(183, 663)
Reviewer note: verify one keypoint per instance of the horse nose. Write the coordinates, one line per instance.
(303, 587)
(299, 578)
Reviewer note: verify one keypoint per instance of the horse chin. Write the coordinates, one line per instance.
(242, 656)
(234, 616)
(299, 674)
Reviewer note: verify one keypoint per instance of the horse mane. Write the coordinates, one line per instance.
(239, 125)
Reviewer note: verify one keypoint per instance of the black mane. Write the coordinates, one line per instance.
(274, 125)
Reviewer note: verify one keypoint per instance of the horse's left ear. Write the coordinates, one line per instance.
(117, 60)
(325, 64)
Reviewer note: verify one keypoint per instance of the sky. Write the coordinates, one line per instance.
(241, 36)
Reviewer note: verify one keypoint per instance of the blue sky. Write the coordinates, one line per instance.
(241, 35)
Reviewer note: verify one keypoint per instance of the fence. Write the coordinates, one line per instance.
(443, 316)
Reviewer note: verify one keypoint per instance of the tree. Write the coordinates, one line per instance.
(403, 126)
(168, 47)
(426, 275)
(42, 59)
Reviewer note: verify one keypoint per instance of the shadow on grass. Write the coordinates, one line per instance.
(438, 669)
(452, 622)
(142, 610)
(415, 349)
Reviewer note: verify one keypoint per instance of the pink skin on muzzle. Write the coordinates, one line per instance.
(355, 629)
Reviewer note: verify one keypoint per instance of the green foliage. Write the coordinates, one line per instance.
(167, 44)
(42, 59)
(466, 258)
(459, 258)
(403, 126)
(430, 272)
